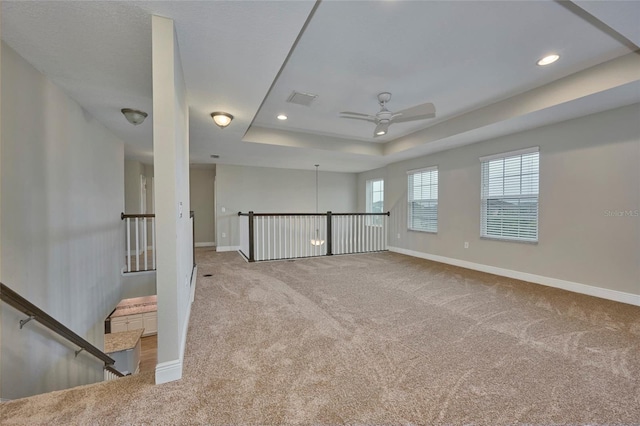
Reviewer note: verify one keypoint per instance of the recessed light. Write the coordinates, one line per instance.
(282, 117)
(548, 59)
(381, 132)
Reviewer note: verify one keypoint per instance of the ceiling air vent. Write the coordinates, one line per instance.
(304, 99)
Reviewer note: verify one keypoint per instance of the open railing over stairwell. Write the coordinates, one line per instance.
(18, 302)
(141, 241)
(274, 236)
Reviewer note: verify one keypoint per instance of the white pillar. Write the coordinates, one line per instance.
(171, 191)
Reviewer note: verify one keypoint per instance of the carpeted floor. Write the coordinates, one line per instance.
(375, 339)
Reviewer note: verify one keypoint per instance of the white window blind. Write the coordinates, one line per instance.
(375, 200)
(422, 196)
(510, 196)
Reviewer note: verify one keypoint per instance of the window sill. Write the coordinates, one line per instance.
(422, 231)
(509, 240)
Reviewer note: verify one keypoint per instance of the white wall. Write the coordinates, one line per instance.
(588, 166)
(270, 190)
(62, 238)
(173, 225)
(132, 172)
(1, 308)
(202, 187)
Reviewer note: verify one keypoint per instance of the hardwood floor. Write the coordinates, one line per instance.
(149, 353)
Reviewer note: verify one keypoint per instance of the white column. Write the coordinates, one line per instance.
(171, 192)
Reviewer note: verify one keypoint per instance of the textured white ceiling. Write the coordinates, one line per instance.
(458, 55)
(463, 56)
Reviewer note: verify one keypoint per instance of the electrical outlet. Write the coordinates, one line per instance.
(224, 235)
(466, 244)
(224, 210)
(398, 236)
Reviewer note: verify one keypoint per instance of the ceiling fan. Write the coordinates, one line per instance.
(385, 118)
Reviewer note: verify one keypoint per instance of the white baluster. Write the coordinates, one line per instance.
(153, 241)
(128, 245)
(145, 243)
(137, 246)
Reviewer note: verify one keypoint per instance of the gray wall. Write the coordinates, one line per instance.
(202, 187)
(588, 166)
(62, 177)
(269, 190)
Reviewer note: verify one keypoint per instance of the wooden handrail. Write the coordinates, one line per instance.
(314, 214)
(18, 302)
(124, 216)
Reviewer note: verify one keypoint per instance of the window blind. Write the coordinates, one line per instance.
(422, 197)
(510, 196)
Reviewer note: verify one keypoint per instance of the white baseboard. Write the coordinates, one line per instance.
(603, 293)
(169, 371)
(206, 244)
(172, 370)
(227, 248)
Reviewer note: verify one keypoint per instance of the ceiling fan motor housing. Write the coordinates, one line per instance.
(384, 97)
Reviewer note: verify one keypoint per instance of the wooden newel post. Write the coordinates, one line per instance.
(329, 247)
(251, 249)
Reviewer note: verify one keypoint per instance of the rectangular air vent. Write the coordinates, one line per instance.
(304, 99)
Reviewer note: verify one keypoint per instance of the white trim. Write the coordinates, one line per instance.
(603, 293)
(170, 371)
(133, 273)
(205, 244)
(227, 248)
(510, 153)
(424, 169)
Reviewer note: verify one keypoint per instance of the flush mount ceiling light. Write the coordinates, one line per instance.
(547, 60)
(222, 119)
(282, 117)
(134, 116)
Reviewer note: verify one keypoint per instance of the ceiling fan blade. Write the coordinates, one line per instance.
(418, 112)
(358, 116)
(383, 126)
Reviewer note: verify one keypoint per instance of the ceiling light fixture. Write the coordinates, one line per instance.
(134, 116)
(381, 132)
(282, 117)
(222, 119)
(549, 59)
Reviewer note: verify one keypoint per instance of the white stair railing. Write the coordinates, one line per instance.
(140, 242)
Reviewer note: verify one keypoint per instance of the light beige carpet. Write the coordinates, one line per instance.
(375, 339)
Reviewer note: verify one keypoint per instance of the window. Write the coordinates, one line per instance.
(422, 196)
(510, 196)
(375, 200)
